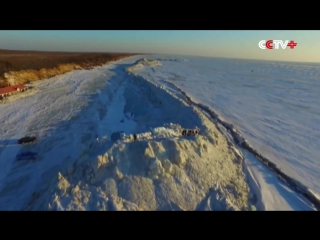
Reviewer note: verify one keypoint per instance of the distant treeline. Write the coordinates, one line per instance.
(37, 62)
(23, 60)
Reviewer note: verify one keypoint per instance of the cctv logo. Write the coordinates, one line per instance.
(274, 44)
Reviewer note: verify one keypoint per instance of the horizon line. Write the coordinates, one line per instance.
(135, 53)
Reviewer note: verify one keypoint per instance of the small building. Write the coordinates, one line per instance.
(7, 91)
(20, 88)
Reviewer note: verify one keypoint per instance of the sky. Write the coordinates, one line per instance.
(210, 43)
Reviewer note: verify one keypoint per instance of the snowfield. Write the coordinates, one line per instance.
(63, 114)
(89, 160)
(275, 105)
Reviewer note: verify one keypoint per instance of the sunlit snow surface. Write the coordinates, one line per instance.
(275, 105)
(61, 110)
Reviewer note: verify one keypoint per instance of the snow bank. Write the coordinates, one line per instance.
(142, 63)
(160, 170)
(154, 174)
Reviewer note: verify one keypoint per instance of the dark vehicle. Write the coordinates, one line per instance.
(190, 132)
(27, 156)
(26, 140)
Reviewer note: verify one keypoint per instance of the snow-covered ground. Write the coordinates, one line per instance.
(161, 170)
(87, 162)
(275, 105)
(62, 112)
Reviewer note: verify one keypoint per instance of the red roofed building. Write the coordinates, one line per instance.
(7, 91)
(19, 87)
